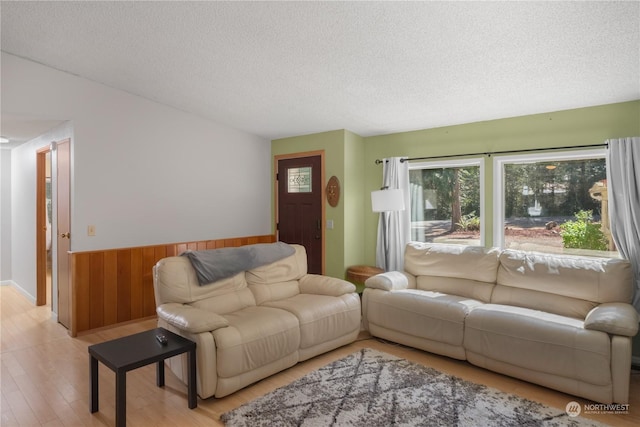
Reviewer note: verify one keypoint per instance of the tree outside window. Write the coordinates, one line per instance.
(446, 201)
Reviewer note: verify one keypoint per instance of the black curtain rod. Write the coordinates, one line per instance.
(490, 153)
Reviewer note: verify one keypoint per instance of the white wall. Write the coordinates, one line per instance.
(142, 173)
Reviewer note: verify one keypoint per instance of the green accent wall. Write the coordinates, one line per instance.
(355, 199)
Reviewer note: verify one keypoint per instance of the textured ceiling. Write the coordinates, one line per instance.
(280, 69)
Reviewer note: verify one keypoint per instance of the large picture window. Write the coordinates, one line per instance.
(556, 202)
(447, 201)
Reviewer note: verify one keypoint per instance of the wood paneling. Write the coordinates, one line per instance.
(116, 285)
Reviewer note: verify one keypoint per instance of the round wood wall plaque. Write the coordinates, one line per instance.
(333, 191)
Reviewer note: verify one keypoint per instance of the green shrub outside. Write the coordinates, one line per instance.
(583, 233)
(469, 222)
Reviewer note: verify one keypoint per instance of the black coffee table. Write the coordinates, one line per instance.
(134, 351)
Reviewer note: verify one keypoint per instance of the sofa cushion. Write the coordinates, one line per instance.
(285, 270)
(325, 285)
(538, 341)
(447, 260)
(451, 285)
(190, 319)
(255, 337)
(322, 318)
(389, 281)
(175, 281)
(278, 280)
(613, 318)
(431, 315)
(266, 292)
(544, 301)
(584, 278)
(228, 302)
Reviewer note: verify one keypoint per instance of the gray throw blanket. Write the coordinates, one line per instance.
(215, 264)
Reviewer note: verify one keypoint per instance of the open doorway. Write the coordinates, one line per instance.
(44, 211)
(53, 236)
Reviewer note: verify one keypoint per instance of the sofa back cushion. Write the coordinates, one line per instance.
(562, 284)
(175, 280)
(473, 289)
(468, 271)
(278, 280)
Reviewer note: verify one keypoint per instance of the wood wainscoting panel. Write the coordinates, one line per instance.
(113, 286)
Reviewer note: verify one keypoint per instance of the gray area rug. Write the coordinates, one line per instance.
(371, 388)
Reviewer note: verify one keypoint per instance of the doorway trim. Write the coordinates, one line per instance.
(41, 224)
(279, 157)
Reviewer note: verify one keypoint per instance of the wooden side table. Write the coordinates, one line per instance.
(134, 351)
(358, 274)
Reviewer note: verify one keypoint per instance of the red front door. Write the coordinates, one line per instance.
(300, 206)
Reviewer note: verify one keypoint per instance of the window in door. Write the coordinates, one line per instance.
(299, 180)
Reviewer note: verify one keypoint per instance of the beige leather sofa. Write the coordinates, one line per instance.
(255, 323)
(564, 322)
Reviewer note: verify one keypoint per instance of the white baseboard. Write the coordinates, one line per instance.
(20, 289)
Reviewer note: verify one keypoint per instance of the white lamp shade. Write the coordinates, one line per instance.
(387, 200)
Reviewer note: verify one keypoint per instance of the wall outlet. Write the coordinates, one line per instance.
(91, 230)
(329, 224)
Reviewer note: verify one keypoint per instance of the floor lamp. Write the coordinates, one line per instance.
(385, 201)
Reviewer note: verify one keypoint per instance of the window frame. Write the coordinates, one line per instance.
(498, 179)
(460, 163)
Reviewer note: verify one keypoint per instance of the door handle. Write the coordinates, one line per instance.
(66, 235)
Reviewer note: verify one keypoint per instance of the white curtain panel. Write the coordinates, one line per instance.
(395, 175)
(417, 211)
(623, 182)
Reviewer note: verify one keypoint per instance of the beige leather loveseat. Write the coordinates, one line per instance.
(564, 322)
(255, 323)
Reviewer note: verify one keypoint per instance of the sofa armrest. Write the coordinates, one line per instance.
(389, 281)
(613, 318)
(325, 285)
(190, 319)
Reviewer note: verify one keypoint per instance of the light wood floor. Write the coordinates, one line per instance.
(45, 377)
